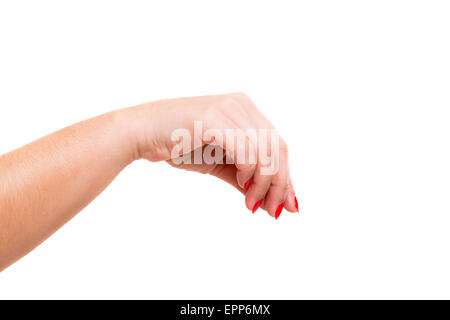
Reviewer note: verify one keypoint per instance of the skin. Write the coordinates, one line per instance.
(45, 183)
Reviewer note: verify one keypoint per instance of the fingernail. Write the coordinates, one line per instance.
(296, 203)
(257, 205)
(247, 184)
(278, 212)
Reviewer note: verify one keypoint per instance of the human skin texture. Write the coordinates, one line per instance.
(45, 183)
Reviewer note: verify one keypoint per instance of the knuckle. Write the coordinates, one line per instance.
(229, 104)
(281, 183)
(240, 95)
(231, 101)
(284, 150)
(242, 99)
(226, 106)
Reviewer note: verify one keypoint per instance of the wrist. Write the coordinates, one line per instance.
(136, 126)
(126, 126)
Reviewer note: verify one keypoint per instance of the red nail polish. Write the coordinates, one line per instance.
(278, 212)
(257, 205)
(296, 203)
(247, 184)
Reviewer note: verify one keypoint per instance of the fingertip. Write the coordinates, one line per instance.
(249, 203)
(291, 203)
(279, 210)
(257, 205)
(244, 178)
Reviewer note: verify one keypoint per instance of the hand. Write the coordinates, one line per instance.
(220, 115)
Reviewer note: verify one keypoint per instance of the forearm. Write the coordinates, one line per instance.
(45, 183)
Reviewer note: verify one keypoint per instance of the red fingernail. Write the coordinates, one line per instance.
(296, 203)
(257, 204)
(278, 212)
(247, 184)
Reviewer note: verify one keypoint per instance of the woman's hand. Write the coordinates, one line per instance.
(45, 183)
(264, 181)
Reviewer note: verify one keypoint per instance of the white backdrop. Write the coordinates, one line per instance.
(359, 89)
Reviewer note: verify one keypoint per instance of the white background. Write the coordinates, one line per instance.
(359, 89)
